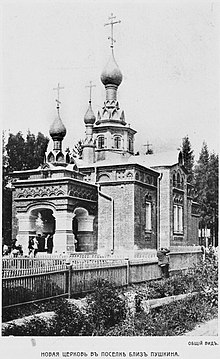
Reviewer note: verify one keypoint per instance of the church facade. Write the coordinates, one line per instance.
(110, 200)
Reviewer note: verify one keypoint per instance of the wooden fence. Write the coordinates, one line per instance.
(53, 277)
(34, 287)
(20, 266)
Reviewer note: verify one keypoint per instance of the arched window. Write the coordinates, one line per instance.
(130, 144)
(182, 182)
(51, 157)
(174, 180)
(104, 178)
(67, 158)
(148, 214)
(178, 218)
(60, 157)
(101, 142)
(117, 142)
(178, 180)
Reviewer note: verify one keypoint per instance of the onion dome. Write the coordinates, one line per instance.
(89, 118)
(57, 129)
(111, 74)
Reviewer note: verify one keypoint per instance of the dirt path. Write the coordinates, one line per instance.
(209, 328)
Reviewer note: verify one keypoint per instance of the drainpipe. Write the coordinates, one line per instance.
(158, 210)
(113, 220)
(95, 174)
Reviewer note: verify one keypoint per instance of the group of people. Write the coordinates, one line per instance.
(40, 243)
(13, 249)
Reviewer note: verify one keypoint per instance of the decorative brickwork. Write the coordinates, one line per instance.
(144, 237)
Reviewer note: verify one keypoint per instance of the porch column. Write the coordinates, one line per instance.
(63, 238)
(85, 234)
(25, 229)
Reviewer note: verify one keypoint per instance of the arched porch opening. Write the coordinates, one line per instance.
(43, 225)
(82, 225)
(38, 221)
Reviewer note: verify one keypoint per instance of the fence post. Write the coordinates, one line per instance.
(69, 279)
(127, 271)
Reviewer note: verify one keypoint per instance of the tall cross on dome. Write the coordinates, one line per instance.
(112, 23)
(58, 88)
(90, 90)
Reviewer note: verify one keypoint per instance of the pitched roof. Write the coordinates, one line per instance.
(162, 159)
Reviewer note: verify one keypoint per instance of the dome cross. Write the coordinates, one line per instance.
(90, 90)
(58, 88)
(112, 23)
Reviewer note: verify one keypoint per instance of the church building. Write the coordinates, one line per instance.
(110, 201)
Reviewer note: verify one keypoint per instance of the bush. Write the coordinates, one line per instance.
(105, 307)
(178, 317)
(203, 278)
(69, 320)
(35, 327)
(106, 310)
(169, 320)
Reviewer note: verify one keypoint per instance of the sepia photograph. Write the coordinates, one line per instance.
(110, 140)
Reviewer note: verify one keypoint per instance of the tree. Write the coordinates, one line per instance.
(206, 185)
(212, 195)
(18, 154)
(6, 196)
(15, 152)
(201, 182)
(77, 150)
(188, 158)
(35, 148)
(25, 153)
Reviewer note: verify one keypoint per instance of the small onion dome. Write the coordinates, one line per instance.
(57, 129)
(111, 75)
(89, 117)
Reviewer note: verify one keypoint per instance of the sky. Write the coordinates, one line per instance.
(166, 50)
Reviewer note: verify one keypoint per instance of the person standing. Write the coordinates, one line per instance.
(163, 261)
(49, 239)
(36, 244)
(5, 250)
(31, 246)
(203, 252)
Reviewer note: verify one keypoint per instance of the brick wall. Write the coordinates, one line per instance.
(123, 195)
(142, 237)
(181, 192)
(105, 224)
(194, 239)
(193, 225)
(189, 227)
(165, 210)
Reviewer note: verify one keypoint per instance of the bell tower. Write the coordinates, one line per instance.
(112, 135)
